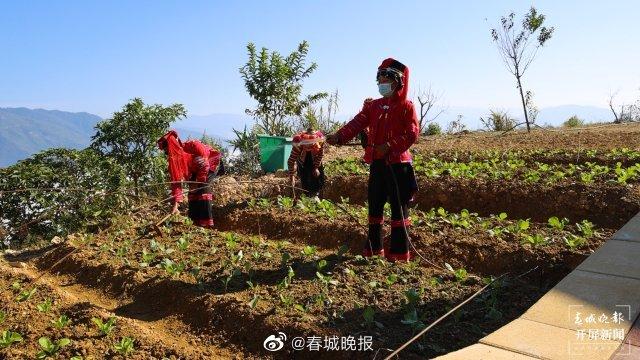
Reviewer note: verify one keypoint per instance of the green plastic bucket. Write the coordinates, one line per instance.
(274, 152)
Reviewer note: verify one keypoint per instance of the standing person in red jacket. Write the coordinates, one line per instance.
(393, 128)
(306, 161)
(190, 162)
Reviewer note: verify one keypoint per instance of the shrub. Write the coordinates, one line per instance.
(65, 211)
(573, 121)
(498, 120)
(248, 159)
(433, 129)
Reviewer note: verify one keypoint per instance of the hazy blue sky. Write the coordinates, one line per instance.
(95, 55)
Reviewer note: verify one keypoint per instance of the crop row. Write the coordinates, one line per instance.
(623, 155)
(557, 230)
(309, 282)
(499, 169)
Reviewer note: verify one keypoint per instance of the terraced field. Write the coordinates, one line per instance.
(275, 264)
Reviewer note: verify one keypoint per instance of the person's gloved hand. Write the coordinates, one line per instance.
(316, 172)
(175, 209)
(333, 139)
(381, 150)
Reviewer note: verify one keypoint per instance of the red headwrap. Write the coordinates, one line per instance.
(177, 158)
(402, 92)
(309, 142)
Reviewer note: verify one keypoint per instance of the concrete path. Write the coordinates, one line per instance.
(590, 314)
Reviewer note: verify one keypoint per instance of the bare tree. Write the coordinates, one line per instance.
(616, 119)
(626, 112)
(456, 126)
(518, 47)
(427, 100)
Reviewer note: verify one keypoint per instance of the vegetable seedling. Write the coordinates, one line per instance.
(254, 302)
(25, 295)
(556, 223)
(105, 328)
(9, 337)
(125, 346)
(60, 322)
(45, 306)
(50, 348)
(183, 244)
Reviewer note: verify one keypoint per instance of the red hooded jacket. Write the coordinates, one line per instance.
(189, 160)
(390, 120)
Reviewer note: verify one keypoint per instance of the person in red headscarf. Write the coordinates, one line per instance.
(191, 161)
(306, 160)
(392, 128)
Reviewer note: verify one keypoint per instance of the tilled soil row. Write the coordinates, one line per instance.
(153, 340)
(226, 321)
(217, 320)
(476, 252)
(608, 206)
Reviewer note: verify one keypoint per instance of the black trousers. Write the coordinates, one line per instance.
(312, 185)
(390, 183)
(200, 202)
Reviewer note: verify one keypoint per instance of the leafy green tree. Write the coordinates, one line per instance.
(81, 188)
(275, 82)
(130, 136)
(519, 46)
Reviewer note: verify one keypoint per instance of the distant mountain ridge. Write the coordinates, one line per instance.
(24, 132)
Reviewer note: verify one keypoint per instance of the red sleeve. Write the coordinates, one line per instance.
(409, 131)
(291, 162)
(214, 159)
(317, 160)
(353, 127)
(176, 191)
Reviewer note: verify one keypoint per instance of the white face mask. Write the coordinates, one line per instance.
(385, 89)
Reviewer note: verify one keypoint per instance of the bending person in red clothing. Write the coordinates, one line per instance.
(393, 128)
(306, 161)
(190, 161)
